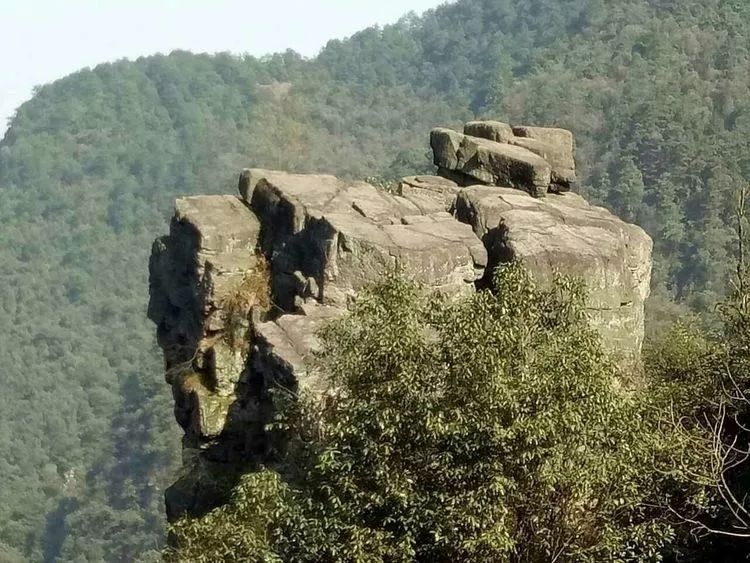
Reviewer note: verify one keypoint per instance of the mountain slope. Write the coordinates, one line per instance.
(655, 92)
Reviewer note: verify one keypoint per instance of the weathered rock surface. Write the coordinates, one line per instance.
(323, 240)
(556, 146)
(493, 130)
(534, 159)
(429, 193)
(565, 233)
(489, 162)
(284, 348)
(240, 285)
(194, 274)
(334, 237)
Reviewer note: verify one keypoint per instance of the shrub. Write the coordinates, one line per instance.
(483, 429)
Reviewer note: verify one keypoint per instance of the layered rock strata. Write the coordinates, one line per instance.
(241, 283)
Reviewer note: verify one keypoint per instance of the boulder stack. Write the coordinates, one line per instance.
(535, 159)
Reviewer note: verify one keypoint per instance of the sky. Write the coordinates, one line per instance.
(43, 40)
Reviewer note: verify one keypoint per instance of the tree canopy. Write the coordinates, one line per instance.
(489, 428)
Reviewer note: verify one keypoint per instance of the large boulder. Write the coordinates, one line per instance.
(479, 160)
(429, 193)
(211, 246)
(535, 159)
(493, 130)
(284, 348)
(197, 278)
(556, 146)
(564, 233)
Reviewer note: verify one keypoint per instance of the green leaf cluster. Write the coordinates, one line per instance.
(487, 428)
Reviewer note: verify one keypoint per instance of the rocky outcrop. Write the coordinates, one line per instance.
(556, 146)
(197, 276)
(240, 285)
(429, 193)
(305, 244)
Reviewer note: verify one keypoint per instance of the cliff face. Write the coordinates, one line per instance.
(241, 283)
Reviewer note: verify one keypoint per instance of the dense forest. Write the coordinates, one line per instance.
(655, 91)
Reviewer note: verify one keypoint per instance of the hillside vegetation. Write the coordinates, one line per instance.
(655, 90)
(486, 428)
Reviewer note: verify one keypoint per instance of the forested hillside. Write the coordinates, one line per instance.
(655, 91)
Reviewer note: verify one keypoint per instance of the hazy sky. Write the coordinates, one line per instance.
(43, 40)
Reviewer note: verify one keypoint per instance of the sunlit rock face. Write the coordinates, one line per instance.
(241, 284)
(565, 233)
(537, 160)
(328, 238)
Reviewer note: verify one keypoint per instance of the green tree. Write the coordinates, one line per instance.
(702, 376)
(485, 429)
(630, 190)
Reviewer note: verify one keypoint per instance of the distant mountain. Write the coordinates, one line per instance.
(655, 90)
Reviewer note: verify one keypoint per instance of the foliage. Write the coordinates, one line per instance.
(484, 429)
(651, 90)
(238, 532)
(703, 378)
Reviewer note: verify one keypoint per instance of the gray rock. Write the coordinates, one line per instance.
(555, 136)
(565, 233)
(194, 272)
(222, 223)
(429, 193)
(489, 162)
(482, 155)
(226, 363)
(556, 146)
(492, 130)
(284, 348)
(344, 235)
(202, 413)
(211, 246)
(446, 144)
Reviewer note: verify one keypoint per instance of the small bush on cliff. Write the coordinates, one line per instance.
(253, 290)
(483, 429)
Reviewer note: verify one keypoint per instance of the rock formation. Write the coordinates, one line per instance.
(241, 283)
